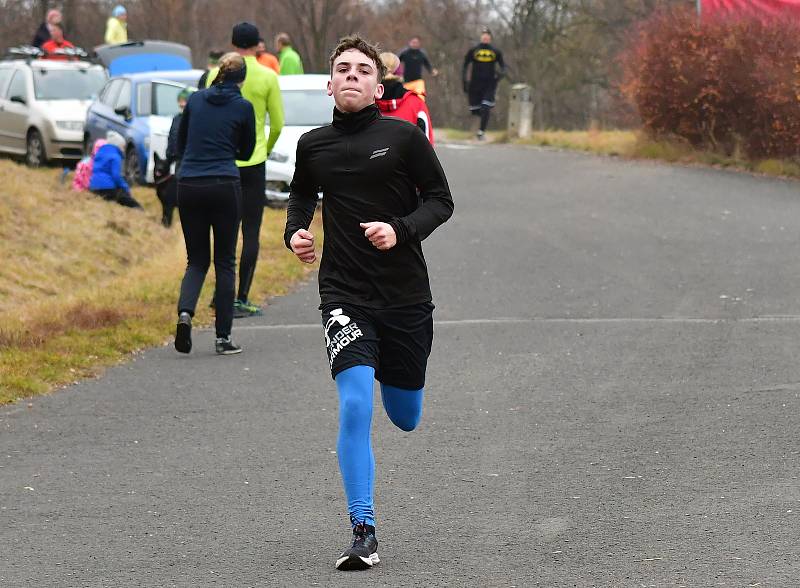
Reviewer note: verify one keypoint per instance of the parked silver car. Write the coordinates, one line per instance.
(43, 107)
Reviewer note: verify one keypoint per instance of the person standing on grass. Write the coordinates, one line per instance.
(45, 31)
(107, 180)
(218, 126)
(261, 89)
(289, 59)
(385, 192)
(266, 58)
(117, 26)
(56, 42)
(487, 68)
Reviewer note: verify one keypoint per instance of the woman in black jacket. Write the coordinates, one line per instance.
(216, 129)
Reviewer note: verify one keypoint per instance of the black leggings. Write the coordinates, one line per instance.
(253, 185)
(210, 204)
(119, 196)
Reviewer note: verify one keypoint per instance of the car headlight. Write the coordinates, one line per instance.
(278, 157)
(69, 125)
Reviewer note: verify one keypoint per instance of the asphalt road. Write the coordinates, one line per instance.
(612, 400)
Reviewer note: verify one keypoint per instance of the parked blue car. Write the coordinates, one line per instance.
(139, 101)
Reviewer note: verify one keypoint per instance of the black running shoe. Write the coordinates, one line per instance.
(225, 346)
(183, 333)
(364, 552)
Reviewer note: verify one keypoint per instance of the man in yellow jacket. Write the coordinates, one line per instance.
(261, 89)
(117, 26)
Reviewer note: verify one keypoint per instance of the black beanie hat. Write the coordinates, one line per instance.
(245, 35)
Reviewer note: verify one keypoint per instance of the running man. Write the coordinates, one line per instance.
(414, 58)
(261, 89)
(482, 83)
(385, 192)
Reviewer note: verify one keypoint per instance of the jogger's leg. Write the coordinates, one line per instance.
(404, 407)
(484, 112)
(354, 446)
(253, 183)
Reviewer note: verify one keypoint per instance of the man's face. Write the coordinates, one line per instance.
(182, 104)
(123, 17)
(486, 38)
(354, 81)
(261, 48)
(414, 43)
(55, 18)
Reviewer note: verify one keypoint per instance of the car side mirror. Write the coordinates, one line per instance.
(123, 111)
(19, 99)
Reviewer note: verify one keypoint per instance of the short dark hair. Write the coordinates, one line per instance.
(359, 44)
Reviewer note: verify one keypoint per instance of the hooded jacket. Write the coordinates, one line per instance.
(107, 169)
(218, 127)
(261, 89)
(400, 103)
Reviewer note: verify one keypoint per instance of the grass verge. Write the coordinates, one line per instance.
(635, 145)
(84, 283)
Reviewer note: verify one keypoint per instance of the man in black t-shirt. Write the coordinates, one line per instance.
(385, 192)
(488, 67)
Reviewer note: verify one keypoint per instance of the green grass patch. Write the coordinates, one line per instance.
(85, 282)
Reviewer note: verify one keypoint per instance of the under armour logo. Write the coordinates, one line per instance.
(379, 153)
(337, 317)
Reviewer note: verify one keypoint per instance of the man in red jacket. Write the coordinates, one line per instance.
(55, 43)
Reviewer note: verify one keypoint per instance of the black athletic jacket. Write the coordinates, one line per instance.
(369, 169)
(484, 59)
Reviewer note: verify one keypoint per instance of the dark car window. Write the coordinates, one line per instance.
(143, 92)
(109, 96)
(124, 98)
(18, 86)
(5, 75)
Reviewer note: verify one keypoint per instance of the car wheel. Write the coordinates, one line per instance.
(132, 166)
(35, 155)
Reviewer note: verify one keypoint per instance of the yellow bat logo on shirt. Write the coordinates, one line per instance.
(485, 55)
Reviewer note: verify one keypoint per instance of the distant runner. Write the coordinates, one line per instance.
(487, 69)
(414, 58)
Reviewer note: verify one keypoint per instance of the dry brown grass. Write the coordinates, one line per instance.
(86, 282)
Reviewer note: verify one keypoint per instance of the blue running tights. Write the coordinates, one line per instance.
(354, 448)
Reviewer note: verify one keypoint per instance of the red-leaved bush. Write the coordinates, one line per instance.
(724, 84)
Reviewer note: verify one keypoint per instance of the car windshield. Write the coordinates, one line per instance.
(165, 98)
(307, 108)
(68, 84)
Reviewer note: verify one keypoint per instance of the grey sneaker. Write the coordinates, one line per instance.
(225, 346)
(183, 333)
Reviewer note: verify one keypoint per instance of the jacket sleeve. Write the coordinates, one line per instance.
(172, 139)
(426, 62)
(501, 63)
(302, 195)
(116, 174)
(247, 138)
(437, 204)
(467, 61)
(275, 110)
(183, 131)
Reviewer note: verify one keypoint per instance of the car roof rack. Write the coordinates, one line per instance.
(29, 53)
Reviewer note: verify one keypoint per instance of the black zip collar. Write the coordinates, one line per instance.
(352, 122)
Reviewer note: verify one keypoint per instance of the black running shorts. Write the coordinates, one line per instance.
(481, 93)
(396, 341)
